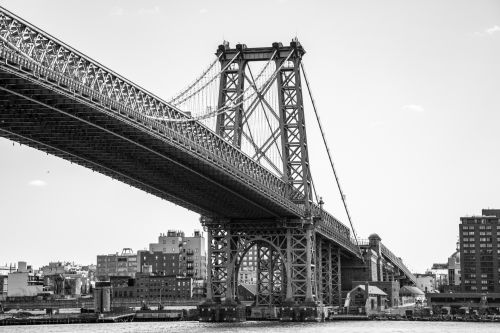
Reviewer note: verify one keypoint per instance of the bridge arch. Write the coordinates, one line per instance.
(270, 266)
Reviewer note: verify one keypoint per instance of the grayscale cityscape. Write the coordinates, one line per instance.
(230, 166)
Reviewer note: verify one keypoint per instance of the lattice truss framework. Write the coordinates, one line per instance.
(285, 264)
(254, 123)
(293, 131)
(238, 99)
(328, 272)
(259, 109)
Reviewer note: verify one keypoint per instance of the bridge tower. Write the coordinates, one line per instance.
(288, 249)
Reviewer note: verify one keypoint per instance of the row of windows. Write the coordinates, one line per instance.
(482, 233)
(482, 251)
(481, 239)
(473, 288)
(481, 227)
(114, 259)
(481, 245)
(483, 282)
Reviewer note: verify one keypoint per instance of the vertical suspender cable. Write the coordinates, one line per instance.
(330, 158)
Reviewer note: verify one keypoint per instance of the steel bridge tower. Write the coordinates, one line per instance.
(296, 268)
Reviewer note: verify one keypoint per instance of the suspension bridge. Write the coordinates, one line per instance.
(231, 146)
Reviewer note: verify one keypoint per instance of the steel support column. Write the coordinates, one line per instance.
(293, 130)
(230, 123)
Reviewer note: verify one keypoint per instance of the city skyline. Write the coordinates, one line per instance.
(407, 94)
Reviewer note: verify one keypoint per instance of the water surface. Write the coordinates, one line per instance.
(266, 327)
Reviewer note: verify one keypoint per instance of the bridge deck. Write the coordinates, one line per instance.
(119, 147)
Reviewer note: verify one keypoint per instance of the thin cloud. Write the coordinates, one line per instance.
(203, 11)
(37, 183)
(149, 11)
(492, 30)
(487, 32)
(413, 108)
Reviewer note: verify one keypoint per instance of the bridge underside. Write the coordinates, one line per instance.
(81, 133)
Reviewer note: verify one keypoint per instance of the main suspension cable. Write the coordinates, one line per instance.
(223, 109)
(330, 159)
(183, 92)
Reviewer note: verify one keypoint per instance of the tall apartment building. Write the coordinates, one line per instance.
(124, 264)
(480, 252)
(176, 254)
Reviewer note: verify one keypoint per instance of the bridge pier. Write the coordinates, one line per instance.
(298, 271)
(286, 276)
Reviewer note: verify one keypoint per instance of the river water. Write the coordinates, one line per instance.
(267, 327)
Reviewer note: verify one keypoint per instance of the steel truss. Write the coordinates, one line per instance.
(293, 131)
(285, 268)
(230, 123)
(328, 272)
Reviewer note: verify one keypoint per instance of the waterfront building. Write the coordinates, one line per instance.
(426, 282)
(164, 287)
(160, 262)
(124, 264)
(480, 252)
(6, 269)
(23, 282)
(365, 299)
(410, 295)
(4, 285)
(454, 268)
(440, 272)
(176, 254)
(67, 279)
(152, 287)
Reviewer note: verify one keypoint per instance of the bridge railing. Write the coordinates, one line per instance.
(330, 227)
(397, 262)
(45, 58)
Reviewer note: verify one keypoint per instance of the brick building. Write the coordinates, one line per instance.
(480, 252)
(124, 264)
(152, 287)
(176, 254)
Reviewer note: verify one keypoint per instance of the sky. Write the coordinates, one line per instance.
(407, 92)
